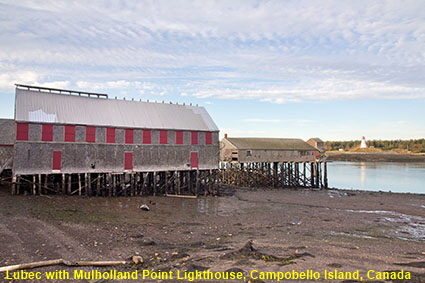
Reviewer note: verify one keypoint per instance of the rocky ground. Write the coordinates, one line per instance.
(241, 231)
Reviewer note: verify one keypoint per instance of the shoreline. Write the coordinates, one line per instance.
(375, 157)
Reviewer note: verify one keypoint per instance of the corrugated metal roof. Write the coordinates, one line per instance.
(35, 106)
(270, 143)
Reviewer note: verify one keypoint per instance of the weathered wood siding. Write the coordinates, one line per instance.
(35, 156)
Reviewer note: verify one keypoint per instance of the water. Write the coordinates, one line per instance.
(378, 176)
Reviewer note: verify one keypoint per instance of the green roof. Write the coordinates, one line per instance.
(270, 143)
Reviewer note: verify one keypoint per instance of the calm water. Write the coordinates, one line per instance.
(378, 176)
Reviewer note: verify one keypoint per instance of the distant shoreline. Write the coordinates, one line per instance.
(375, 157)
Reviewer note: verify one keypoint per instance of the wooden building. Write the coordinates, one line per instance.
(87, 142)
(271, 162)
(7, 139)
(317, 143)
(245, 150)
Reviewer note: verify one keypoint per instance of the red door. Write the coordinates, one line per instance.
(128, 161)
(57, 160)
(194, 160)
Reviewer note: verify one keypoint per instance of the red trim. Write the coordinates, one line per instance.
(194, 137)
(129, 136)
(69, 133)
(90, 134)
(47, 132)
(163, 137)
(110, 135)
(22, 131)
(147, 136)
(179, 137)
(57, 160)
(6, 145)
(208, 138)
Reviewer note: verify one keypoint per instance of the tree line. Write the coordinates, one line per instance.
(415, 146)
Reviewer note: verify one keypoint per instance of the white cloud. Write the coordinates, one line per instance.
(269, 50)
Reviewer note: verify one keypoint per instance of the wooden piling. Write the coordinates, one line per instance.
(154, 183)
(33, 185)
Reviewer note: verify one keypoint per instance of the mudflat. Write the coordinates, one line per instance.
(257, 232)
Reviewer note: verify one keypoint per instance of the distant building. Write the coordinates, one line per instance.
(317, 143)
(363, 143)
(245, 150)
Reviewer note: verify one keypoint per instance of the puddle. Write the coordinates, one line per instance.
(405, 227)
(361, 236)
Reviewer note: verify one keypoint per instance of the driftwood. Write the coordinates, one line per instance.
(180, 196)
(60, 261)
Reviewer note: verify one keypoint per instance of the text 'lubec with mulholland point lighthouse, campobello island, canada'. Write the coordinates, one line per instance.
(207, 275)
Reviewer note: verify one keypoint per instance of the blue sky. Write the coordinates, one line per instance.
(337, 70)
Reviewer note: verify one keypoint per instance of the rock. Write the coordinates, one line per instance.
(137, 259)
(144, 207)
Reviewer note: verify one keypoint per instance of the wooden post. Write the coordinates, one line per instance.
(39, 184)
(317, 175)
(114, 185)
(63, 184)
(79, 184)
(275, 164)
(18, 186)
(312, 174)
(98, 185)
(131, 184)
(197, 182)
(190, 182)
(109, 180)
(122, 182)
(33, 185)
(69, 184)
(325, 174)
(210, 183)
(179, 181)
(46, 177)
(13, 186)
(89, 184)
(154, 183)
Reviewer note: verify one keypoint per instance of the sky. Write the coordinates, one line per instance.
(338, 70)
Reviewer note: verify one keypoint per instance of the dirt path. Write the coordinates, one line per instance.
(290, 230)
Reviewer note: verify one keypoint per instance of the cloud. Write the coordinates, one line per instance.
(270, 51)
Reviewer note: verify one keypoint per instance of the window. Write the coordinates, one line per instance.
(248, 153)
(194, 162)
(208, 138)
(47, 132)
(194, 137)
(179, 137)
(110, 135)
(22, 131)
(147, 137)
(128, 161)
(163, 137)
(69, 134)
(57, 160)
(90, 134)
(129, 136)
